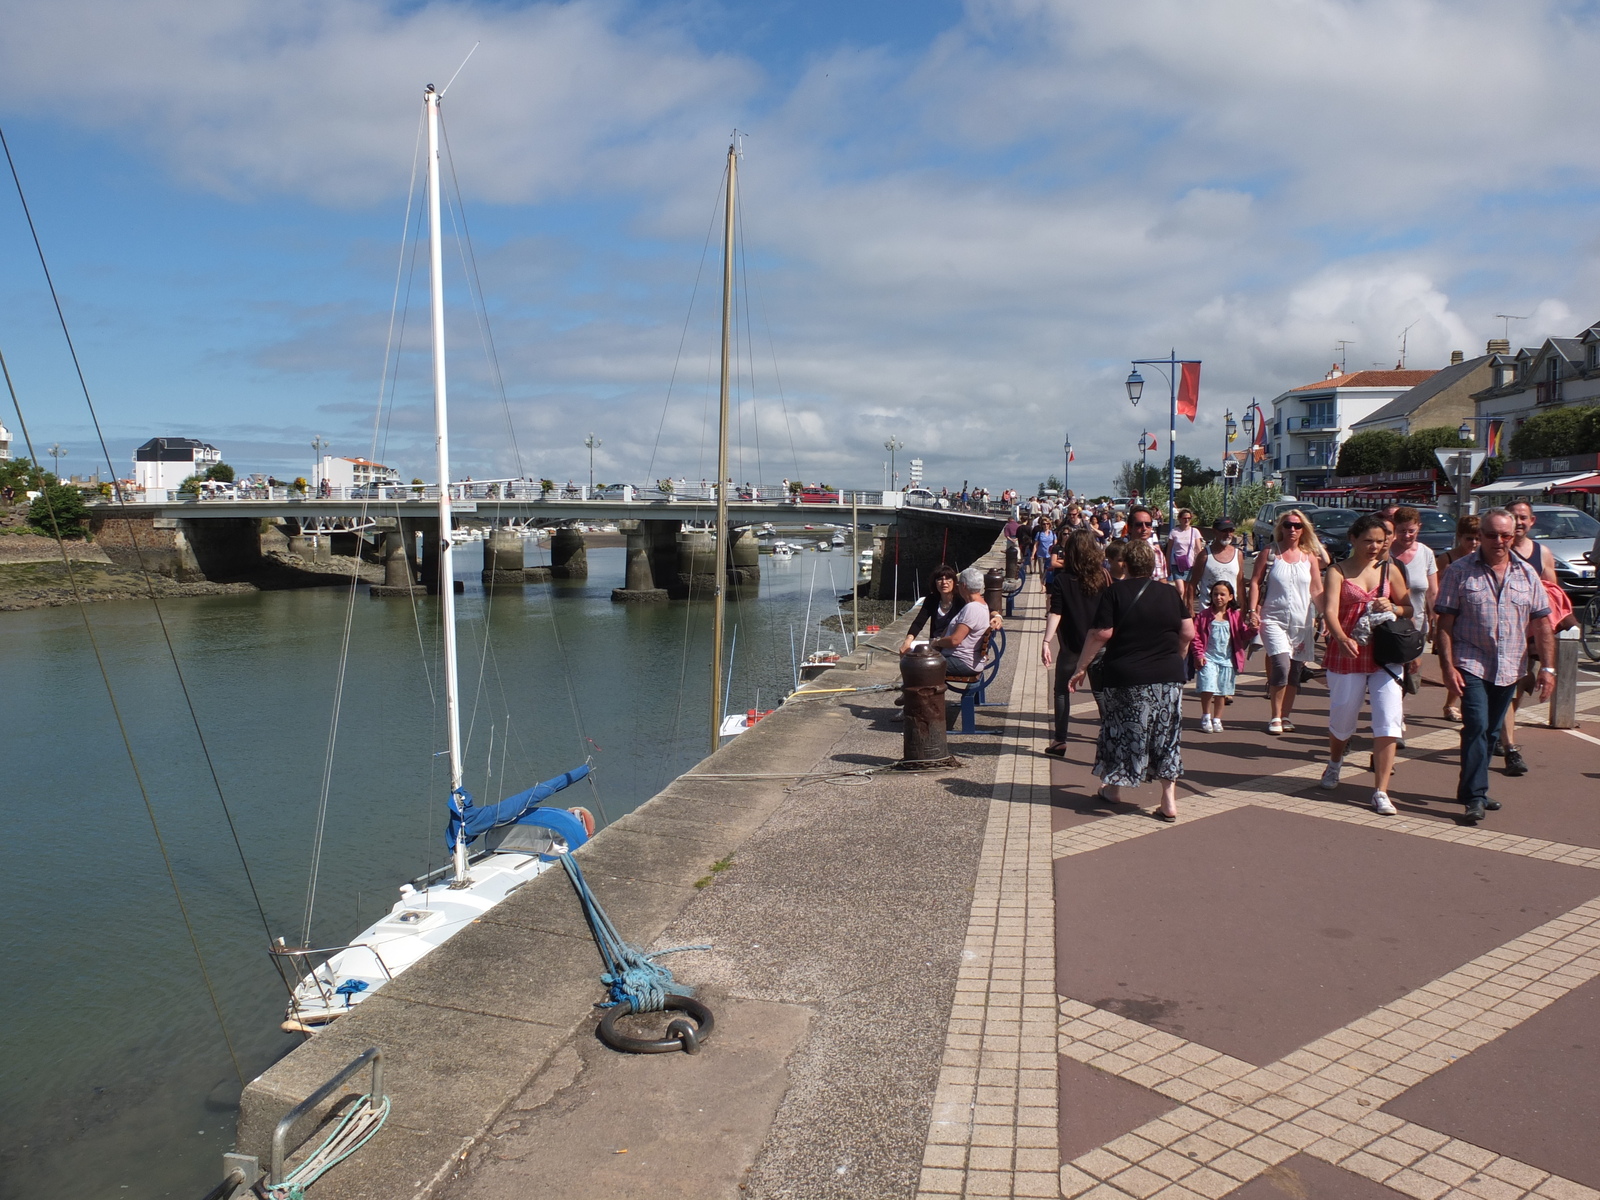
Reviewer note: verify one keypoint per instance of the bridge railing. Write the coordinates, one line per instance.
(523, 491)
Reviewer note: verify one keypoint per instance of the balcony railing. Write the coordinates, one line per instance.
(1305, 462)
(1313, 424)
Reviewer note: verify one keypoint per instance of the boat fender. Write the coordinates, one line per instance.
(559, 821)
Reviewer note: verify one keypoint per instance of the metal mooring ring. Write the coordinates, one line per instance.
(681, 1035)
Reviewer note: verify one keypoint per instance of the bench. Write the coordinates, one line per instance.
(973, 687)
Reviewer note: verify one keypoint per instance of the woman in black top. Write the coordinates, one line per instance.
(1080, 576)
(1145, 631)
(938, 606)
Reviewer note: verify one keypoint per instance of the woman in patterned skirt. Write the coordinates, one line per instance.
(1145, 630)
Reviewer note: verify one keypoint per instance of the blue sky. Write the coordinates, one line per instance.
(961, 220)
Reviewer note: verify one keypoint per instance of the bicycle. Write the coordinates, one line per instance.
(1589, 628)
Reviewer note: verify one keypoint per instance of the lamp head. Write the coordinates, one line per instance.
(1465, 432)
(1135, 385)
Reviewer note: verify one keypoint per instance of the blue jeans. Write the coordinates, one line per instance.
(1483, 710)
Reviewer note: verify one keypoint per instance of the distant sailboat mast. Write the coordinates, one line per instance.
(441, 434)
(724, 540)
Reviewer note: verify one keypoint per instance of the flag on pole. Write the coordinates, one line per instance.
(1189, 390)
(1072, 456)
(1152, 444)
(1495, 430)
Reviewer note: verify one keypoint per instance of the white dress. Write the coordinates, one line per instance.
(1286, 613)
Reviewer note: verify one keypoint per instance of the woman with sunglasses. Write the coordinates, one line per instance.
(1285, 594)
(939, 606)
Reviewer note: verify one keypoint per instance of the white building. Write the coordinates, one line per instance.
(5, 443)
(162, 464)
(1309, 423)
(1563, 372)
(353, 473)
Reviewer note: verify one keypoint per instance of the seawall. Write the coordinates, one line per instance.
(837, 929)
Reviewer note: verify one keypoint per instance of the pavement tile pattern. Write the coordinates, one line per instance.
(1228, 1127)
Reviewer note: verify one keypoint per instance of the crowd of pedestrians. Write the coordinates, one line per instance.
(1139, 615)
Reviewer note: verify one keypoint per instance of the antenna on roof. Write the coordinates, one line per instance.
(1340, 346)
(1508, 318)
(1404, 335)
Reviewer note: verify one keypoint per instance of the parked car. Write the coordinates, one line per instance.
(921, 497)
(1568, 534)
(1332, 527)
(816, 495)
(1438, 529)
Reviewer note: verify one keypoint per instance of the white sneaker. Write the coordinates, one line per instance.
(1205, 723)
(1330, 775)
(1216, 724)
(1381, 803)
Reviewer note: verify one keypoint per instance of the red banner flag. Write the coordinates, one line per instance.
(1072, 456)
(1189, 390)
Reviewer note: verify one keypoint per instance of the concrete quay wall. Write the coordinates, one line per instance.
(828, 1040)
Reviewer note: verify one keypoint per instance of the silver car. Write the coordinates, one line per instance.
(1568, 534)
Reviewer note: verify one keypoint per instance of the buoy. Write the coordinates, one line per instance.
(587, 817)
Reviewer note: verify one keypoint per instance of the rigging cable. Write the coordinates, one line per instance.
(166, 634)
(329, 757)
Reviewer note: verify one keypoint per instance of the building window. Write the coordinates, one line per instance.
(1321, 414)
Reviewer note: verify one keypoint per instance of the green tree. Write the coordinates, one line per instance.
(221, 472)
(1194, 473)
(22, 476)
(59, 511)
(1417, 450)
(1053, 482)
(1574, 430)
(1127, 481)
(1371, 452)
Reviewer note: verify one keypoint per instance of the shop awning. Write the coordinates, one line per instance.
(1589, 483)
(1512, 485)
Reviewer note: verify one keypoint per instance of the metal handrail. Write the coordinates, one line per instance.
(375, 1097)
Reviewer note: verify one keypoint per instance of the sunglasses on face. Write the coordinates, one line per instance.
(1497, 537)
(1141, 524)
(1293, 525)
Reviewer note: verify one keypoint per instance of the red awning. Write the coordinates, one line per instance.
(1589, 483)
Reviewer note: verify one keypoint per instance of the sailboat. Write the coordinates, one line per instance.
(494, 848)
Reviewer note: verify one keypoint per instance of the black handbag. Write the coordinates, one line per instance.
(1396, 642)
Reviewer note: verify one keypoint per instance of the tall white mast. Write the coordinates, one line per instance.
(724, 540)
(441, 436)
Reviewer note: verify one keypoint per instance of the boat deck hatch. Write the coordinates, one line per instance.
(413, 916)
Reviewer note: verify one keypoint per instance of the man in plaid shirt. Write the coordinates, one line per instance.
(1489, 604)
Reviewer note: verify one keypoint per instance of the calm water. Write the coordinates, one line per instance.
(117, 1081)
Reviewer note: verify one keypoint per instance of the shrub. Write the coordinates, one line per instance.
(59, 511)
(1371, 452)
(1561, 431)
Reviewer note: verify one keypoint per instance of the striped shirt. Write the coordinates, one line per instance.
(1492, 614)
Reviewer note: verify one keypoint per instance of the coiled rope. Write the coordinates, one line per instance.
(632, 975)
(354, 1131)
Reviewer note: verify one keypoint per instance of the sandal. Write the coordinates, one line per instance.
(1056, 749)
(1288, 726)
(1451, 713)
(1169, 818)
(1105, 799)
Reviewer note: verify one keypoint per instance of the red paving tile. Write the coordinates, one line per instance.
(1255, 931)
(1097, 1108)
(1306, 1178)
(1531, 1094)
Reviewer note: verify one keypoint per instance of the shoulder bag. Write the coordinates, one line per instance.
(1396, 642)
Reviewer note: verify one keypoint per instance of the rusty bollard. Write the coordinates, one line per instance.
(922, 677)
(1013, 562)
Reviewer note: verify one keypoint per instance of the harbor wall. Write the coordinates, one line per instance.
(468, 1029)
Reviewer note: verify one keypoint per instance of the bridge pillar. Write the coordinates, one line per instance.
(569, 557)
(502, 559)
(299, 543)
(399, 576)
(640, 582)
(744, 559)
(697, 563)
(432, 545)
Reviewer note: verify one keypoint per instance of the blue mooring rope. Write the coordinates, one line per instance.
(631, 973)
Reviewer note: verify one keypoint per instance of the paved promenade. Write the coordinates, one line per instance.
(1284, 994)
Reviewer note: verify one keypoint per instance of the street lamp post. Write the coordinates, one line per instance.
(1144, 450)
(318, 445)
(1066, 467)
(592, 442)
(57, 453)
(1229, 429)
(1135, 385)
(892, 445)
(1250, 436)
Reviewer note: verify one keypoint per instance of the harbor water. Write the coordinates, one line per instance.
(119, 1080)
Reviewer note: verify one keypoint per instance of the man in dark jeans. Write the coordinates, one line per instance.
(1489, 603)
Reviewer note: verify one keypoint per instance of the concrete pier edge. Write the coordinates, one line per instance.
(471, 1026)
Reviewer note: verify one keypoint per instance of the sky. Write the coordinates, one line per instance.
(959, 221)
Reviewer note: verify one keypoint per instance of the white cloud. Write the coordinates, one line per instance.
(962, 248)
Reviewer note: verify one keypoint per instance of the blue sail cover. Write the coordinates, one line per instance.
(470, 820)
